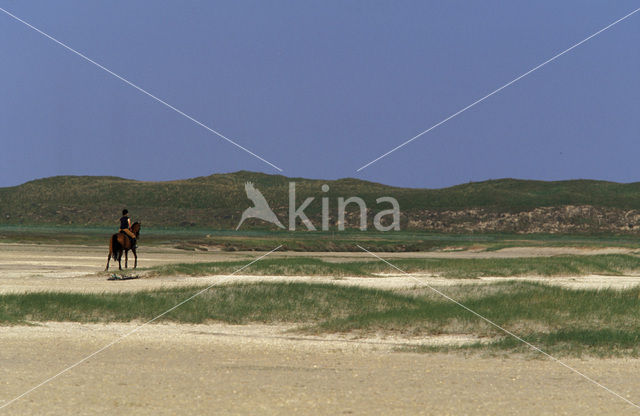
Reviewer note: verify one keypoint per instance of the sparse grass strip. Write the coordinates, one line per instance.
(570, 265)
(561, 321)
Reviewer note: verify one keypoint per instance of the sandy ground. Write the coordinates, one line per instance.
(194, 369)
(99, 284)
(31, 267)
(258, 369)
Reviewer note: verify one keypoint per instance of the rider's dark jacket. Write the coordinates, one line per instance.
(124, 223)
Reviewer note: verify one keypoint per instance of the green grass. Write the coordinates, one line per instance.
(603, 343)
(251, 240)
(267, 267)
(237, 304)
(192, 239)
(561, 321)
(571, 265)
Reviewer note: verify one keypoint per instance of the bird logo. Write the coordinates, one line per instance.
(260, 209)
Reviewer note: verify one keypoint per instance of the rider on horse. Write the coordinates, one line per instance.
(125, 227)
(123, 241)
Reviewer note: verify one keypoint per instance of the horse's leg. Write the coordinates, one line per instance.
(135, 264)
(120, 260)
(110, 253)
(126, 259)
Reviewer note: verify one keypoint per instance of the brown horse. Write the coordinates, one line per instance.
(120, 242)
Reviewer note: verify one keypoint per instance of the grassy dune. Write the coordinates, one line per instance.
(217, 201)
(562, 321)
(606, 264)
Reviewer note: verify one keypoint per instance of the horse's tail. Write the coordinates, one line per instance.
(114, 246)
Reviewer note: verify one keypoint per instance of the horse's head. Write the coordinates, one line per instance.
(135, 228)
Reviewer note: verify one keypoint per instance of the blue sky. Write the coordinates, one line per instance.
(320, 89)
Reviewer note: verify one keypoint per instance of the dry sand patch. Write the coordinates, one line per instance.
(194, 369)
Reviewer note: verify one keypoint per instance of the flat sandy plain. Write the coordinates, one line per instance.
(263, 369)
